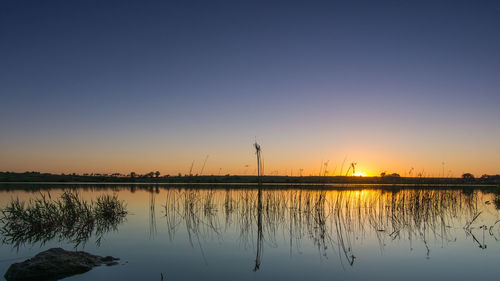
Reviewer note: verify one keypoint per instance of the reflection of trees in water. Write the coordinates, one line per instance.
(330, 219)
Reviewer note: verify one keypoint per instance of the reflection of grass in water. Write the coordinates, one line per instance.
(333, 221)
(67, 218)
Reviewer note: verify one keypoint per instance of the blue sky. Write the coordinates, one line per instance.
(124, 86)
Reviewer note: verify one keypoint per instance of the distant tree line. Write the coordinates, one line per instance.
(156, 177)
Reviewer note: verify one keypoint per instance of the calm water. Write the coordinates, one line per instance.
(292, 234)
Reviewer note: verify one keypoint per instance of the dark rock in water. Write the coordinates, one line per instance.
(55, 264)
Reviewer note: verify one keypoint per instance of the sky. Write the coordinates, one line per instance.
(121, 86)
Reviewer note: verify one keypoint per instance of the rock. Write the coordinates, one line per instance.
(54, 264)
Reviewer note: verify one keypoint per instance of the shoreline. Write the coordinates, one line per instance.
(6, 186)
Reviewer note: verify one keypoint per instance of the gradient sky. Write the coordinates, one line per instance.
(121, 86)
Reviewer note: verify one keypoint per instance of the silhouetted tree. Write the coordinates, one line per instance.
(157, 174)
(491, 179)
(468, 176)
(393, 175)
(133, 174)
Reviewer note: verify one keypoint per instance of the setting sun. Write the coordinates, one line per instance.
(359, 174)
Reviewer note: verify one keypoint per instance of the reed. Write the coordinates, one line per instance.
(332, 220)
(67, 218)
(260, 164)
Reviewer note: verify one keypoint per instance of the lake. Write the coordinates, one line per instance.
(284, 233)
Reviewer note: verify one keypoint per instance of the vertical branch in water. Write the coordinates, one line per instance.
(228, 208)
(152, 215)
(260, 235)
(260, 165)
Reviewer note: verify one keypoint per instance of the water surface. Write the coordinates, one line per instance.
(205, 233)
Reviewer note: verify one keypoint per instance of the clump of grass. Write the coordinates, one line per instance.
(108, 212)
(67, 218)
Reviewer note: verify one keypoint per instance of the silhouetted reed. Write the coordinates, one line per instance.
(332, 220)
(67, 218)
